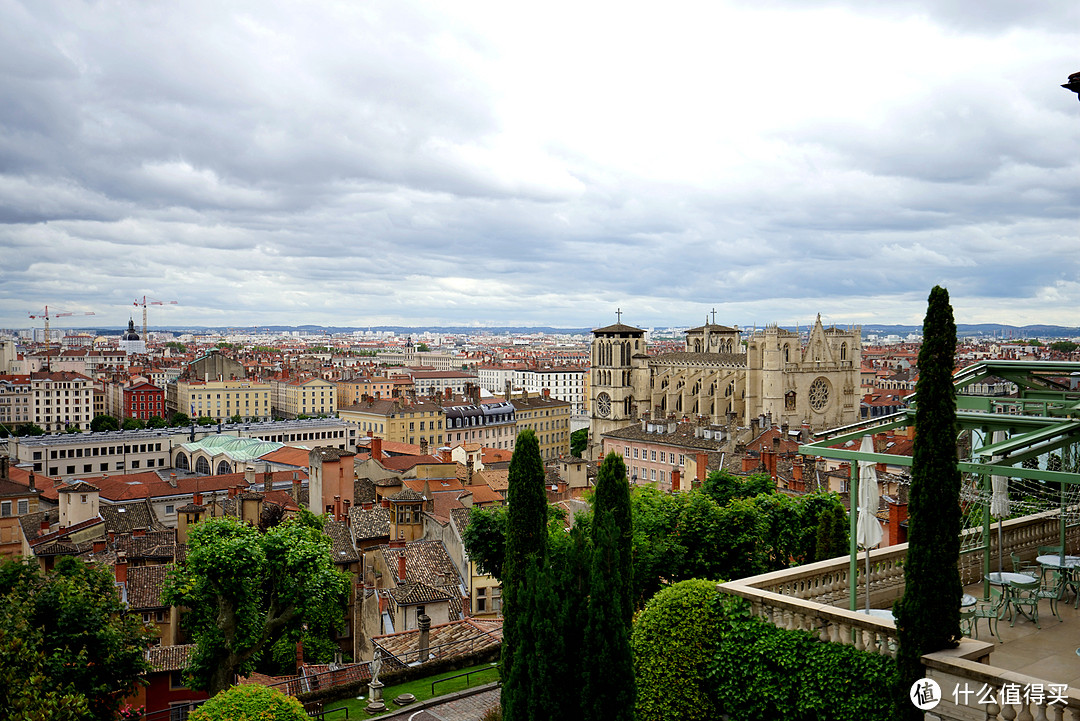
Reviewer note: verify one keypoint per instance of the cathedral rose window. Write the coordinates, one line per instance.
(603, 404)
(819, 394)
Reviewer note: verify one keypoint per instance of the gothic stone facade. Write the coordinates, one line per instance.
(717, 380)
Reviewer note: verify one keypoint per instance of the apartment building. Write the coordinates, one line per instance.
(61, 399)
(490, 424)
(16, 407)
(304, 397)
(397, 421)
(549, 419)
(70, 455)
(353, 391)
(222, 400)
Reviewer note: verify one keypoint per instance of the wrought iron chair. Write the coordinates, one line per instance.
(1053, 589)
(1027, 569)
(990, 610)
(1024, 597)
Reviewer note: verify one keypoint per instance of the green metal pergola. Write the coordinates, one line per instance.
(1043, 417)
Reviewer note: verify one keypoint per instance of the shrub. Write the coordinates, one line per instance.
(674, 640)
(761, 671)
(250, 701)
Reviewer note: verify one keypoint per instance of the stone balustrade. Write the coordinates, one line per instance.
(815, 598)
(972, 690)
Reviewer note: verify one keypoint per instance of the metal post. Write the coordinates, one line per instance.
(853, 513)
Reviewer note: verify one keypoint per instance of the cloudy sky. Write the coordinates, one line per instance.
(494, 163)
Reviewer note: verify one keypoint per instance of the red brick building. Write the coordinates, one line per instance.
(144, 401)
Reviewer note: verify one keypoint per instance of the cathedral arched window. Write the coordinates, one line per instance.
(182, 461)
(843, 351)
(202, 466)
(787, 350)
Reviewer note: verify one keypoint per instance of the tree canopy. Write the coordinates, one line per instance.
(579, 439)
(104, 422)
(246, 589)
(250, 701)
(68, 646)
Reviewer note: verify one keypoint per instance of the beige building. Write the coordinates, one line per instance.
(549, 419)
(15, 401)
(62, 399)
(222, 400)
(304, 397)
(394, 420)
(73, 455)
(777, 375)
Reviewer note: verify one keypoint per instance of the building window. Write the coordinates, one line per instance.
(5, 509)
(170, 509)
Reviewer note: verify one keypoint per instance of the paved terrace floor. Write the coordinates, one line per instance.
(1049, 653)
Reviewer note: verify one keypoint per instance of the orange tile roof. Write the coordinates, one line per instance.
(289, 455)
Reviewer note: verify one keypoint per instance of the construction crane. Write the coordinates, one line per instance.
(149, 301)
(55, 314)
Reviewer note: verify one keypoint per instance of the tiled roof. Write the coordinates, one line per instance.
(343, 551)
(155, 544)
(371, 523)
(169, 658)
(405, 494)
(460, 518)
(412, 594)
(363, 490)
(128, 516)
(497, 479)
(78, 487)
(618, 328)
(144, 584)
(683, 437)
(456, 637)
(425, 562)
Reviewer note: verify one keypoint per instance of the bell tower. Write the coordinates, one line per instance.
(611, 382)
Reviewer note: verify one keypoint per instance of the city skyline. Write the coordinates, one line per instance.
(484, 165)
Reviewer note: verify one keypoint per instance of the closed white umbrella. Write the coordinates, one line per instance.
(999, 496)
(868, 528)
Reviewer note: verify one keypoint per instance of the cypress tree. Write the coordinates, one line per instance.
(608, 690)
(526, 551)
(928, 615)
(612, 495)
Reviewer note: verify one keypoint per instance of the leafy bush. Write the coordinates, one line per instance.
(250, 701)
(761, 671)
(674, 640)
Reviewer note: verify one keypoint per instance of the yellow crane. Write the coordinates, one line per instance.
(54, 314)
(149, 301)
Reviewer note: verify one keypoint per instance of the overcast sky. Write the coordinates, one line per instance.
(370, 163)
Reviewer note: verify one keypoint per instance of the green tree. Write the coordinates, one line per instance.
(179, 347)
(723, 487)
(674, 640)
(179, 419)
(156, 422)
(422, 348)
(72, 428)
(103, 422)
(206, 421)
(30, 429)
(68, 631)
(133, 424)
(250, 701)
(1063, 346)
(247, 589)
(237, 418)
(928, 615)
(526, 551)
(832, 534)
(579, 440)
(485, 539)
(608, 689)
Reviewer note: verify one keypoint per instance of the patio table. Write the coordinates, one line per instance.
(1005, 580)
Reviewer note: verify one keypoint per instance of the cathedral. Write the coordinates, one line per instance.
(721, 379)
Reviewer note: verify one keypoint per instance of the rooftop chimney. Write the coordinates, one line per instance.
(268, 482)
(423, 622)
(120, 567)
(401, 570)
(376, 448)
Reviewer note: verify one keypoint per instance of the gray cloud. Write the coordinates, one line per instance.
(405, 163)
